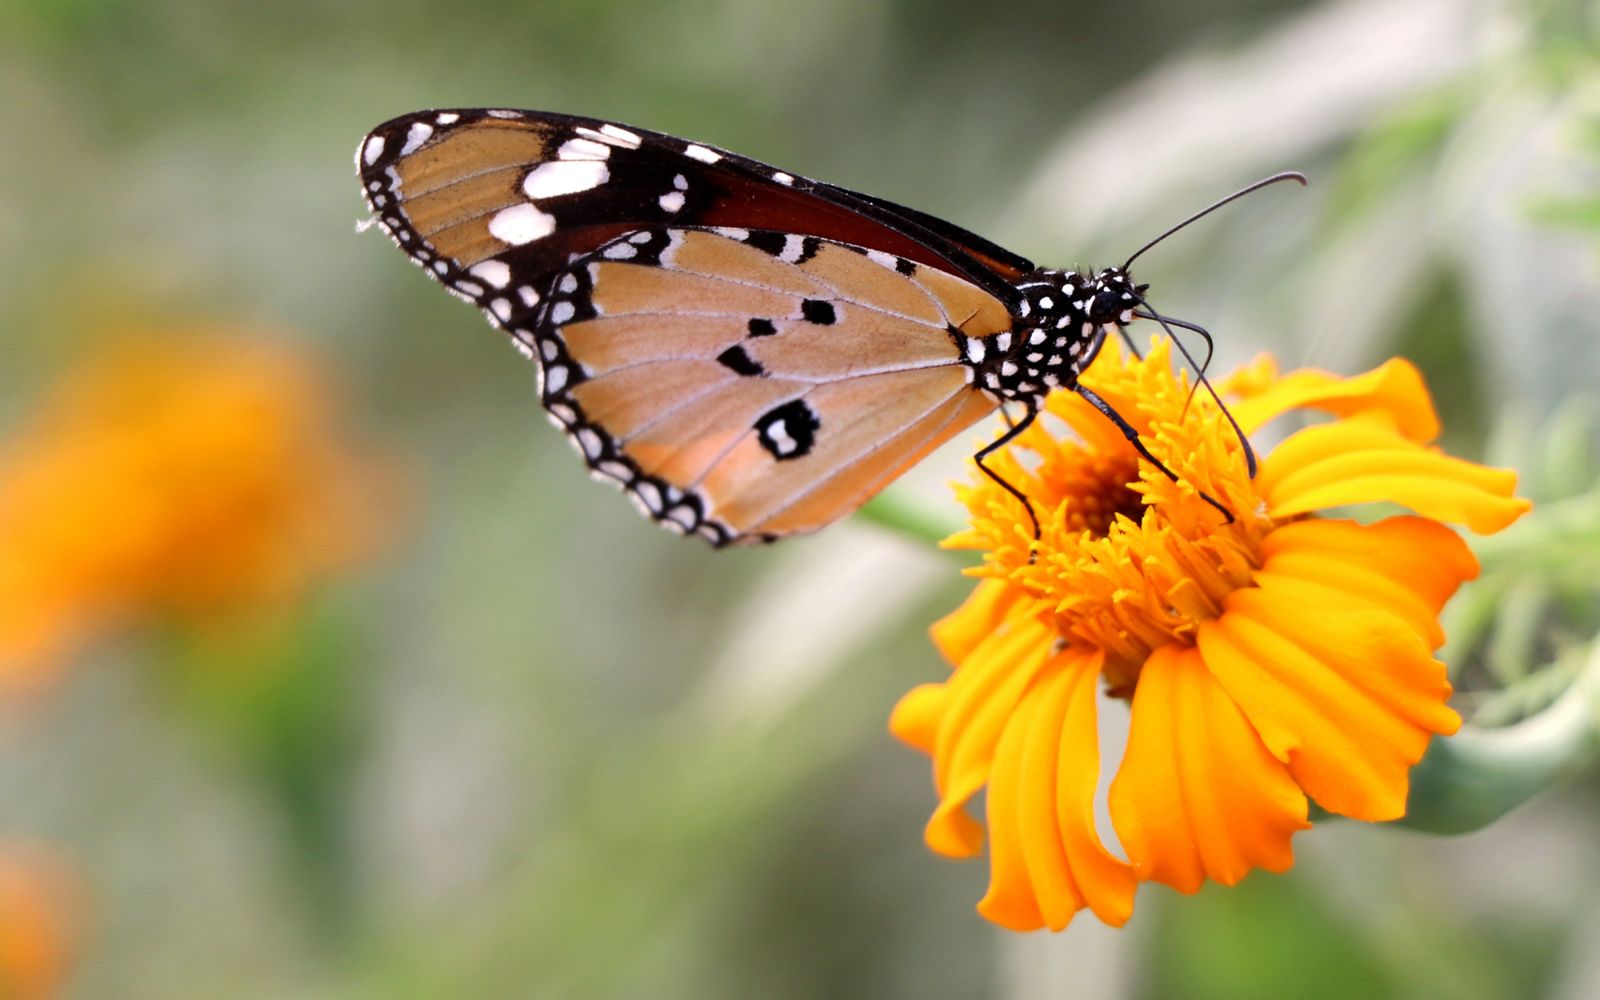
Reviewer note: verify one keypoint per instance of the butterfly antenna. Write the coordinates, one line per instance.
(1200, 379)
(1287, 175)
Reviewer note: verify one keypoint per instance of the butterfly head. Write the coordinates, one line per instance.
(1113, 297)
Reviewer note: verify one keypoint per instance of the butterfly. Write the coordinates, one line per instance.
(747, 352)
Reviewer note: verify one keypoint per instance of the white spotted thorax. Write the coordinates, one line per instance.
(1061, 320)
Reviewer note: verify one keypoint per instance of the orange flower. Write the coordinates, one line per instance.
(1281, 656)
(173, 478)
(40, 913)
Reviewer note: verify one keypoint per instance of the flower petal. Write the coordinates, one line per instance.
(915, 719)
(1347, 698)
(1197, 795)
(960, 632)
(1408, 565)
(968, 718)
(1366, 459)
(1394, 387)
(1047, 860)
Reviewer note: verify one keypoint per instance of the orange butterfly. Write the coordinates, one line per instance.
(748, 353)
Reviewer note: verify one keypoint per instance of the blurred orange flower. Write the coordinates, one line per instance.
(175, 477)
(40, 917)
(1279, 656)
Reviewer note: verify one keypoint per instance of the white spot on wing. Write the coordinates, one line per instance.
(590, 441)
(672, 201)
(447, 118)
(555, 378)
(621, 135)
(793, 247)
(619, 251)
(372, 150)
(521, 224)
(502, 309)
(561, 312)
(778, 434)
(782, 178)
(695, 151)
(559, 177)
(583, 149)
(888, 260)
(501, 113)
(495, 272)
(416, 137)
(650, 495)
(682, 515)
(529, 297)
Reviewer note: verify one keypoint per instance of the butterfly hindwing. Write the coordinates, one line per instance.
(747, 385)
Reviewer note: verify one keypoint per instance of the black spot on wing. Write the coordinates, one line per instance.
(736, 359)
(788, 431)
(818, 311)
(761, 328)
(767, 241)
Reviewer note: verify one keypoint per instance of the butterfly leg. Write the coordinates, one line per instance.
(1001, 442)
(1138, 444)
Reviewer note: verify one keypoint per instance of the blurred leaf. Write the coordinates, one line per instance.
(281, 699)
(1267, 939)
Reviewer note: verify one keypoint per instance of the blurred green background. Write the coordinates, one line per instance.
(540, 748)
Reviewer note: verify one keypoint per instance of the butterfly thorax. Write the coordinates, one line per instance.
(1058, 325)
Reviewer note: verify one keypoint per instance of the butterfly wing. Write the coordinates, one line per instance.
(749, 353)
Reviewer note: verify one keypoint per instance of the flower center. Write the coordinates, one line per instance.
(1149, 578)
(1103, 492)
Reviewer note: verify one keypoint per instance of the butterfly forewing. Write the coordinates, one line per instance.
(748, 352)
